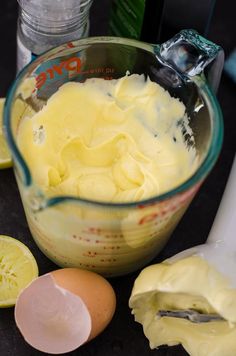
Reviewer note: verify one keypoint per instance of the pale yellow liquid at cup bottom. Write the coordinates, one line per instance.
(72, 236)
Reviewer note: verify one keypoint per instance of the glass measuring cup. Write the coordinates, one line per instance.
(116, 238)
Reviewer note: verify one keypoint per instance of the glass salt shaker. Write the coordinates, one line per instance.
(44, 24)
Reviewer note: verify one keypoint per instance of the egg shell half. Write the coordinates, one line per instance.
(95, 291)
(60, 311)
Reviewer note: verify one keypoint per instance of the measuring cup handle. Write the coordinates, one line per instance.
(191, 54)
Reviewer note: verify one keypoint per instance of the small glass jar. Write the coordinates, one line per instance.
(43, 24)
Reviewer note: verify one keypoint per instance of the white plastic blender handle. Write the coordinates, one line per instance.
(220, 246)
(223, 230)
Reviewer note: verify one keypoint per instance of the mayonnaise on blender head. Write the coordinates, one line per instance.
(201, 278)
(189, 283)
(109, 140)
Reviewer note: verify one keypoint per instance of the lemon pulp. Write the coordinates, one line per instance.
(5, 157)
(18, 268)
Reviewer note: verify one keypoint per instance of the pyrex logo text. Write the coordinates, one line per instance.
(71, 64)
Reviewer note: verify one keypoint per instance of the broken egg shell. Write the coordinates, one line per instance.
(50, 318)
(60, 311)
(96, 292)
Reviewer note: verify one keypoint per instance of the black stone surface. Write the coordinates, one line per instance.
(123, 337)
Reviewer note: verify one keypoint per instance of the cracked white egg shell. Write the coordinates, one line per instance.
(61, 310)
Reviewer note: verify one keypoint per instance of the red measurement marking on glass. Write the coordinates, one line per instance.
(111, 236)
(70, 45)
(105, 233)
(80, 238)
(148, 218)
(111, 247)
(73, 63)
(86, 265)
(142, 206)
(90, 254)
(108, 260)
(170, 206)
(94, 231)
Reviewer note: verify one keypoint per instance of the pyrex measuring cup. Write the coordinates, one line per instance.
(116, 238)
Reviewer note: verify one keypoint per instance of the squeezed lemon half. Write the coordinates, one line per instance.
(5, 157)
(18, 268)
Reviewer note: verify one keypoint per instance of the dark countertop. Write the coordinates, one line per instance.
(123, 337)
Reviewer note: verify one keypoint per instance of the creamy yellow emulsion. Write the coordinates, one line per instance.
(188, 283)
(115, 141)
